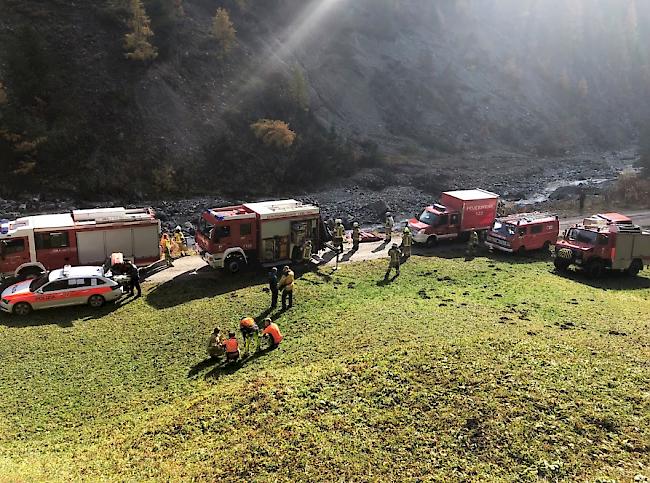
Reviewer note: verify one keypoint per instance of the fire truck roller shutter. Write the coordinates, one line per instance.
(119, 241)
(90, 247)
(272, 229)
(145, 242)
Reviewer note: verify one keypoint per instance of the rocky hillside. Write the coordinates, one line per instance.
(360, 83)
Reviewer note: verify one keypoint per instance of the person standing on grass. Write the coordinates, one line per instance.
(273, 286)
(250, 333)
(286, 285)
(394, 262)
(134, 279)
(356, 236)
(272, 333)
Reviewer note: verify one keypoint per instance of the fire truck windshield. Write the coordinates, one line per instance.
(583, 236)
(39, 282)
(429, 218)
(504, 229)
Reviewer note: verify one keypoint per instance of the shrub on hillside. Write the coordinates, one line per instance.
(273, 133)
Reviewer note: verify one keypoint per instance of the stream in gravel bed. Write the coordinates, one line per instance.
(520, 180)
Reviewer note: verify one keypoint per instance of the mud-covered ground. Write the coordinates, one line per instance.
(404, 189)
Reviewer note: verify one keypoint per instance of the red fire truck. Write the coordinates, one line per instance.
(457, 214)
(271, 233)
(33, 244)
(608, 241)
(523, 232)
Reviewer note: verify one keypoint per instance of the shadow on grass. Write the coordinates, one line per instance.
(223, 368)
(63, 317)
(195, 285)
(609, 281)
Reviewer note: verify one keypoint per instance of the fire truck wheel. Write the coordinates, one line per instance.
(29, 272)
(234, 264)
(521, 251)
(595, 268)
(22, 309)
(547, 246)
(96, 301)
(432, 241)
(635, 267)
(561, 264)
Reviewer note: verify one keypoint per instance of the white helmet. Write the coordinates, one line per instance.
(355, 225)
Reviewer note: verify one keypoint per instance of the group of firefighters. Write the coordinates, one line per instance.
(219, 346)
(172, 244)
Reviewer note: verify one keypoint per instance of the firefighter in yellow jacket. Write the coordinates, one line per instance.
(356, 236)
(339, 234)
(394, 255)
(179, 238)
(407, 242)
(286, 285)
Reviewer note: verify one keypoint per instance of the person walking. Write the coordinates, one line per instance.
(286, 285)
(166, 246)
(407, 242)
(134, 280)
(389, 223)
(273, 286)
(356, 236)
(394, 262)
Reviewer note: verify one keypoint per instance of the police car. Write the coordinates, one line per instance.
(59, 288)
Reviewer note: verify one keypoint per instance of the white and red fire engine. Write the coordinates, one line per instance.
(271, 233)
(33, 244)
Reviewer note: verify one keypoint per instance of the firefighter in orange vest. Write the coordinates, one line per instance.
(249, 331)
(232, 348)
(272, 333)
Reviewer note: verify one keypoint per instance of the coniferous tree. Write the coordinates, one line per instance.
(224, 31)
(137, 41)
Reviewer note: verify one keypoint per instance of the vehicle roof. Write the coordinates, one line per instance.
(80, 218)
(270, 209)
(615, 217)
(239, 212)
(528, 218)
(76, 272)
(471, 195)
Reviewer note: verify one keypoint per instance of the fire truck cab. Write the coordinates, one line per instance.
(271, 233)
(33, 244)
(522, 232)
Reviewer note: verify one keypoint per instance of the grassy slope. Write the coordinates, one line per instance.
(507, 372)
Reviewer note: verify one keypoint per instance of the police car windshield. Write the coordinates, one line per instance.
(583, 236)
(504, 229)
(39, 282)
(429, 218)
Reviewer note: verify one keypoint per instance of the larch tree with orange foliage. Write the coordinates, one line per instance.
(137, 42)
(273, 133)
(223, 31)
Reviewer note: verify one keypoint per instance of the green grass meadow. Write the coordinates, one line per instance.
(495, 369)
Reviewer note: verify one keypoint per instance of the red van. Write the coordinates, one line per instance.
(524, 232)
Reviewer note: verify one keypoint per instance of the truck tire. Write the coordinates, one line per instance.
(561, 264)
(29, 272)
(234, 264)
(635, 267)
(546, 247)
(595, 268)
(431, 242)
(521, 251)
(22, 308)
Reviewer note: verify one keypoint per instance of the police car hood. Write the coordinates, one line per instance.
(17, 289)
